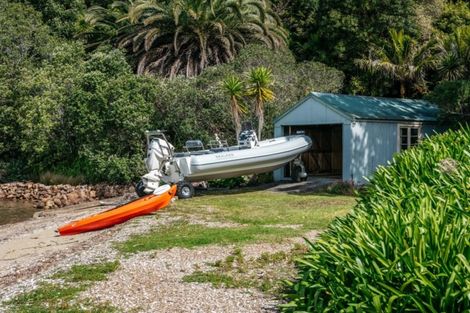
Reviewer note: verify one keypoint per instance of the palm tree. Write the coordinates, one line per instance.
(107, 25)
(235, 88)
(454, 55)
(185, 36)
(260, 81)
(403, 60)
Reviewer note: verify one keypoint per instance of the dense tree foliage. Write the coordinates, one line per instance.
(184, 37)
(197, 108)
(454, 15)
(342, 30)
(453, 97)
(63, 16)
(76, 113)
(71, 103)
(24, 43)
(403, 61)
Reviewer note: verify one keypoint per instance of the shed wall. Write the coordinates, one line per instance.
(366, 144)
(308, 112)
(371, 144)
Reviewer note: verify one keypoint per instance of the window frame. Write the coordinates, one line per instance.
(408, 127)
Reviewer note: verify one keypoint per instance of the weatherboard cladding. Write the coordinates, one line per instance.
(373, 108)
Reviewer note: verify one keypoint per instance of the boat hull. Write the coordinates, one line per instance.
(120, 214)
(268, 156)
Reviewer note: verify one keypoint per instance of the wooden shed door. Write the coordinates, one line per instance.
(325, 157)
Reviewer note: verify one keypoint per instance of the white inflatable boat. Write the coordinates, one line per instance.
(220, 161)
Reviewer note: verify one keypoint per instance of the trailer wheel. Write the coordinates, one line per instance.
(185, 190)
(140, 189)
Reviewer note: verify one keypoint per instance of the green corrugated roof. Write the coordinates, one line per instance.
(373, 108)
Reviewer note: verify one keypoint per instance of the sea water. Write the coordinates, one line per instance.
(15, 211)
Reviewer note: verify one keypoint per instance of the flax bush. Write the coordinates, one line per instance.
(406, 245)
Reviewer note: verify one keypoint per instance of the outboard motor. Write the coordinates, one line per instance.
(248, 138)
(159, 150)
(159, 153)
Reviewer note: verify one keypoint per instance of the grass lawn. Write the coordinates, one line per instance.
(261, 216)
(248, 216)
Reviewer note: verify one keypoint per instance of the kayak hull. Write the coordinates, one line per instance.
(120, 214)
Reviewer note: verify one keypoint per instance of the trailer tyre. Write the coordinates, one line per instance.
(185, 190)
(140, 189)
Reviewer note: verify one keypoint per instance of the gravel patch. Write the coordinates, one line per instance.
(145, 282)
(152, 282)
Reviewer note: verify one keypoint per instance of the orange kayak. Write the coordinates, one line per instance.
(122, 213)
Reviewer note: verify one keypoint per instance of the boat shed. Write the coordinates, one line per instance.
(352, 135)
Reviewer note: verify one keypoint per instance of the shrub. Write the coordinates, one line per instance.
(342, 188)
(405, 247)
(452, 96)
(50, 178)
(233, 182)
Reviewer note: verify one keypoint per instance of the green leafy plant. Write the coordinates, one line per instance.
(260, 82)
(184, 37)
(405, 246)
(235, 89)
(454, 57)
(233, 182)
(402, 60)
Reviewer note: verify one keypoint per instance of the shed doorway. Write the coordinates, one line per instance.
(325, 157)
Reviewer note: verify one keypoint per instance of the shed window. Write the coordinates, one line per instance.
(409, 136)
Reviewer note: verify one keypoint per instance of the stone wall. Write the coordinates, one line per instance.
(50, 197)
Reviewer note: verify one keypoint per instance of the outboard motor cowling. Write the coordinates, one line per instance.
(248, 138)
(158, 151)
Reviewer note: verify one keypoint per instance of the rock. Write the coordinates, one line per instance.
(92, 194)
(49, 204)
(83, 195)
(58, 202)
(73, 197)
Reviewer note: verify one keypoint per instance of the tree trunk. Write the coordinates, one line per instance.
(402, 89)
(236, 119)
(260, 125)
(260, 113)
